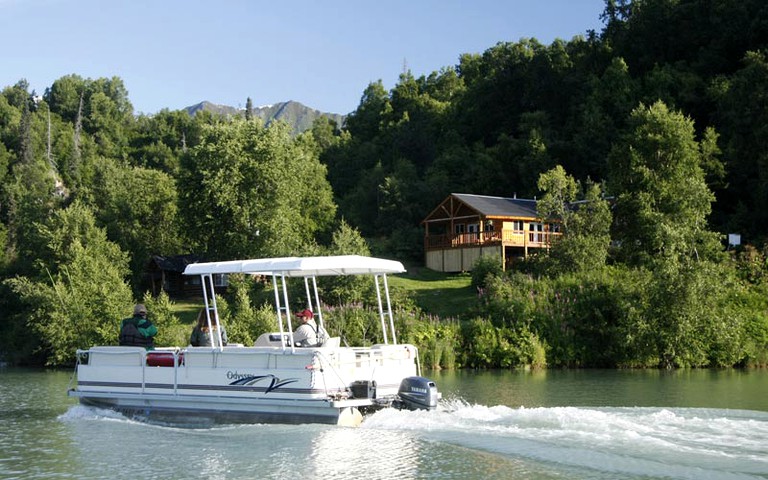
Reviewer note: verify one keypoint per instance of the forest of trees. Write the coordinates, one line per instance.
(653, 125)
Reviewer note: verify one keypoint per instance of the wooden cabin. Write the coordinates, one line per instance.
(464, 227)
(165, 273)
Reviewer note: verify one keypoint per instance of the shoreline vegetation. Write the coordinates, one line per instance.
(595, 320)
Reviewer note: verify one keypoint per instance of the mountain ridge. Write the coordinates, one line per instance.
(297, 115)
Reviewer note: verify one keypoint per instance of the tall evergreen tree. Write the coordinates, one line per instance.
(248, 109)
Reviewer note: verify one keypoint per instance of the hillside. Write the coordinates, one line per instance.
(297, 115)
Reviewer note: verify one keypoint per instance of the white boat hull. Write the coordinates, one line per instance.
(201, 386)
(201, 411)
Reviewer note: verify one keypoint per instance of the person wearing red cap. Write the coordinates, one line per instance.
(308, 334)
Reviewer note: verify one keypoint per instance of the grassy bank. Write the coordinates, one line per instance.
(442, 294)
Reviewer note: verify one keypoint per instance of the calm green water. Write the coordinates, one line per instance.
(733, 389)
(491, 425)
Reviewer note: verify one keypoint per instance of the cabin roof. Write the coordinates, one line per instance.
(483, 205)
(499, 206)
(175, 263)
(301, 266)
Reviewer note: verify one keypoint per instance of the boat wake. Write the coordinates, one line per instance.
(83, 412)
(478, 441)
(652, 442)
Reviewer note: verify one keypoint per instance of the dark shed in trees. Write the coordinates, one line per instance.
(165, 273)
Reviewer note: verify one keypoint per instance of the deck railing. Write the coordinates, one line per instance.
(512, 238)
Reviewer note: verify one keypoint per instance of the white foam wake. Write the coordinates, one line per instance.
(670, 442)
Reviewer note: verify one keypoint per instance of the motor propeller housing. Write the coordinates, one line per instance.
(417, 393)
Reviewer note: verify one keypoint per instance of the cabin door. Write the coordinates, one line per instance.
(536, 232)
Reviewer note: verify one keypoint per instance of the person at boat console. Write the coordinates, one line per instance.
(202, 336)
(138, 331)
(308, 334)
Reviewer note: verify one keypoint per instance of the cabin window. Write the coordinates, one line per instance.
(220, 280)
(517, 225)
(473, 228)
(536, 230)
(489, 226)
(458, 228)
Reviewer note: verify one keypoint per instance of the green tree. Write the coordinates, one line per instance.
(662, 199)
(247, 190)
(560, 190)
(170, 331)
(10, 119)
(158, 141)
(366, 120)
(244, 322)
(326, 133)
(612, 94)
(83, 296)
(101, 106)
(138, 208)
(344, 290)
(743, 113)
(64, 96)
(692, 316)
(586, 242)
(32, 199)
(585, 222)
(248, 109)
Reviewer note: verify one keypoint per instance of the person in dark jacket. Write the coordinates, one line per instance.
(138, 331)
(202, 336)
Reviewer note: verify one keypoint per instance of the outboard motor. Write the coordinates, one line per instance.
(417, 393)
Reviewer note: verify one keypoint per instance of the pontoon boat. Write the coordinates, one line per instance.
(273, 381)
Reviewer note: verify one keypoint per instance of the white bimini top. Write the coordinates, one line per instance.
(301, 266)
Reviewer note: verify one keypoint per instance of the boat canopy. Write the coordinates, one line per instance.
(307, 268)
(300, 266)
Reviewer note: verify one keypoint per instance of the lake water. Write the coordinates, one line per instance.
(590, 424)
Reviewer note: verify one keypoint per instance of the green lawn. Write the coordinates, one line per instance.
(442, 294)
(187, 310)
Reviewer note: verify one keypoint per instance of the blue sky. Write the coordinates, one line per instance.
(322, 53)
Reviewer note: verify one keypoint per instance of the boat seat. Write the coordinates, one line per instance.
(271, 339)
(116, 349)
(332, 342)
(116, 355)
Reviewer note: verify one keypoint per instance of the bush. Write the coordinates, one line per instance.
(244, 322)
(355, 324)
(170, 331)
(490, 346)
(482, 268)
(480, 342)
(437, 340)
